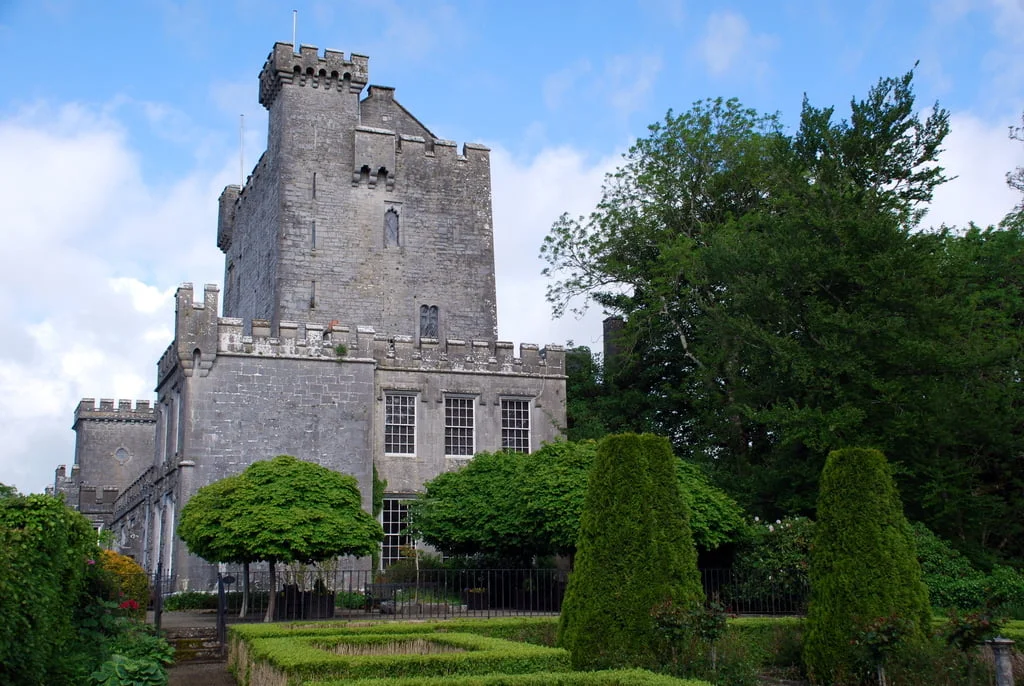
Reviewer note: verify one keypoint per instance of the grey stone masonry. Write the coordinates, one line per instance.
(358, 327)
(356, 212)
(113, 446)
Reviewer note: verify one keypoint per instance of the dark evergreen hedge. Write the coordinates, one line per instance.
(635, 550)
(863, 564)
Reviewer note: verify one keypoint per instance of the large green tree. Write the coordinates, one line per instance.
(514, 507)
(279, 510)
(781, 300)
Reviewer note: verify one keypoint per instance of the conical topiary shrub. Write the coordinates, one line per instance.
(864, 570)
(635, 550)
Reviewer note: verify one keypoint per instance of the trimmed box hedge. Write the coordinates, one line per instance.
(297, 659)
(630, 677)
(535, 630)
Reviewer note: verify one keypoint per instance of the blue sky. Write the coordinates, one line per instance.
(119, 126)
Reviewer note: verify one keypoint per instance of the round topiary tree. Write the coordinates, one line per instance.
(864, 572)
(279, 510)
(635, 551)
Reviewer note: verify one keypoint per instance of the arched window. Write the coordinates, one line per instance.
(428, 321)
(392, 236)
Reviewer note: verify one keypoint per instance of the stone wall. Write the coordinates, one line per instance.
(357, 218)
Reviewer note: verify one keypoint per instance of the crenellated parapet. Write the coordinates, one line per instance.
(307, 68)
(443, 149)
(136, 492)
(200, 336)
(114, 411)
(195, 332)
(377, 154)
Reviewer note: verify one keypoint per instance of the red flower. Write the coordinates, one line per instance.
(130, 604)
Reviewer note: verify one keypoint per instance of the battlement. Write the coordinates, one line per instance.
(200, 336)
(114, 411)
(307, 68)
(439, 147)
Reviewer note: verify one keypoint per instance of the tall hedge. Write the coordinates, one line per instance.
(863, 564)
(45, 550)
(635, 550)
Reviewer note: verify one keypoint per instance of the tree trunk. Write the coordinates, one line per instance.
(269, 617)
(245, 590)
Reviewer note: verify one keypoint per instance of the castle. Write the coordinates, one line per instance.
(359, 325)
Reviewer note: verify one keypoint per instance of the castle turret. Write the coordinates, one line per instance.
(356, 212)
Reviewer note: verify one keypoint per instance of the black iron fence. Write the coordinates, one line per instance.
(310, 593)
(763, 594)
(429, 593)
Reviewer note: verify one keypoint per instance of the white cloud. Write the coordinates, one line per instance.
(145, 298)
(623, 83)
(92, 255)
(979, 154)
(673, 11)
(528, 197)
(729, 45)
(630, 78)
(557, 86)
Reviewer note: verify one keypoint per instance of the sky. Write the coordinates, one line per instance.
(119, 127)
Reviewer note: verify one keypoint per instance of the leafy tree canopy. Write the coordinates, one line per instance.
(282, 510)
(514, 507)
(780, 300)
(279, 510)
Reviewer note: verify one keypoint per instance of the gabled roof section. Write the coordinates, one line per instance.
(380, 110)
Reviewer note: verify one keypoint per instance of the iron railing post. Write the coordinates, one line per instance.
(158, 600)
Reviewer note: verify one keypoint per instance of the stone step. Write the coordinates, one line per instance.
(198, 644)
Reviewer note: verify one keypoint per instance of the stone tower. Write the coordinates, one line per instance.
(356, 212)
(358, 327)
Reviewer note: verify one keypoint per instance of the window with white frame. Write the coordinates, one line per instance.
(515, 425)
(458, 426)
(392, 519)
(399, 424)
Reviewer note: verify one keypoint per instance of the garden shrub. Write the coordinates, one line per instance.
(350, 600)
(635, 550)
(131, 579)
(298, 658)
(863, 566)
(45, 552)
(625, 677)
(190, 600)
(952, 581)
(955, 584)
(772, 559)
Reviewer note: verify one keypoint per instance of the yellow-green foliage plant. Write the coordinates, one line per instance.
(132, 581)
(864, 568)
(635, 551)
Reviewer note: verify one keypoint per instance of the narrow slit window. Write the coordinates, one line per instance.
(428, 321)
(392, 236)
(312, 234)
(314, 185)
